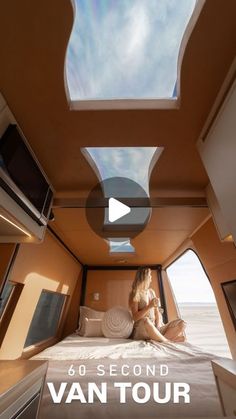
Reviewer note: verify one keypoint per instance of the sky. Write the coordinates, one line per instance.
(125, 48)
(189, 281)
(134, 163)
(120, 245)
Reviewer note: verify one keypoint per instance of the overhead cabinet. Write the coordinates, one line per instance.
(217, 149)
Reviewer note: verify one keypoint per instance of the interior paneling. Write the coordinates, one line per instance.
(32, 81)
(42, 266)
(113, 287)
(167, 229)
(71, 321)
(172, 311)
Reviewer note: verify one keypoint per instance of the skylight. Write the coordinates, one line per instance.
(126, 49)
(121, 245)
(135, 163)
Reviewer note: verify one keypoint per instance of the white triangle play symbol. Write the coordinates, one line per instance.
(117, 210)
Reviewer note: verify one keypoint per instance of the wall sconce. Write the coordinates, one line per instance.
(96, 296)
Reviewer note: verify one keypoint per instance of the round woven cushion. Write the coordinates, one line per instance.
(117, 323)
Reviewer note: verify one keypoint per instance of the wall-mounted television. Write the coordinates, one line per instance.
(22, 177)
(229, 290)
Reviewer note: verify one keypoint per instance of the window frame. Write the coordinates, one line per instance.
(175, 260)
(232, 316)
(8, 299)
(181, 254)
(30, 350)
(9, 308)
(207, 276)
(137, 103)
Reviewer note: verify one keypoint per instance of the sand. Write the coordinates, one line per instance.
(205, 328)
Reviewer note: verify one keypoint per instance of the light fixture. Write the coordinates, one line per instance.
(96, 296)
(15, 225)
(228, 238)
(121, 260)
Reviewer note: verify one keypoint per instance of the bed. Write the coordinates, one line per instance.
(102, 360)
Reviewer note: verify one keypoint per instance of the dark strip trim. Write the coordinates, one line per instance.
(198, 202)
(119, 268)
(232, 315)
(10, 266)
(83, 285)
(64, 244)
(162, 294)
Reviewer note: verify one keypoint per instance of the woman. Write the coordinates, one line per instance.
(148, 322)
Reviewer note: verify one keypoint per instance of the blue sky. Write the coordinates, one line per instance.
(189, 281)
(125, 48)
(120, 245)
(130, 162)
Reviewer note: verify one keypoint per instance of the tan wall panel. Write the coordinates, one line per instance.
(113, 286)
(37, 266)
(219, 260)
(73, 312)
(6, 252)
(171, 305)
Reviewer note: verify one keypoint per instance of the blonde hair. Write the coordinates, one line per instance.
(139, 283)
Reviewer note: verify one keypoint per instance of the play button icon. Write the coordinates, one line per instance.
(117, 210)
(117, 207)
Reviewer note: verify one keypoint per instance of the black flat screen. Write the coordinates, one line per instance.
(21, 167)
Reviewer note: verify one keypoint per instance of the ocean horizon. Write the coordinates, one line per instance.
(190, 303)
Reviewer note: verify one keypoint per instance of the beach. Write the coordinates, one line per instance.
(204, 327)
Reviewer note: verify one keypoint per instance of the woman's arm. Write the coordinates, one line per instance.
(158, 318)
(158, 315)
(139, 314)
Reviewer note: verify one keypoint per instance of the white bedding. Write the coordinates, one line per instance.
(186, 364)
(75, 347)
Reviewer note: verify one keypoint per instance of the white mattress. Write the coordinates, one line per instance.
(186, 363)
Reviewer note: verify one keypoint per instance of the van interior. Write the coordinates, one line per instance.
(92, 189)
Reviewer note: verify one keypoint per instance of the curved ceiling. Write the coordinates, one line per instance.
(32, 81)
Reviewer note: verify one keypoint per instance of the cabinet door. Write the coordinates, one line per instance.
(218, 153)
(30, 410)
(228, 397)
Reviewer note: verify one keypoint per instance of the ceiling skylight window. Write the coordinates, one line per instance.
(127, 50)
(121, 246)
(134, 163)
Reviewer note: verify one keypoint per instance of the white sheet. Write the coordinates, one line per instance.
(75, 347)
(186, 363)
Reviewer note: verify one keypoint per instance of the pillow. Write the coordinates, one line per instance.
(93, 327)
(89, 313)
(117, 323)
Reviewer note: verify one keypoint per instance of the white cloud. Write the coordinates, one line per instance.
(129, 49)
(129, 162)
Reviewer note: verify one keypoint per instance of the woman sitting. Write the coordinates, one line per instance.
(148, 323)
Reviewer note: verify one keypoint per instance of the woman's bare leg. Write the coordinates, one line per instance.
(153, 332)
(180, 339)
(176, 333)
